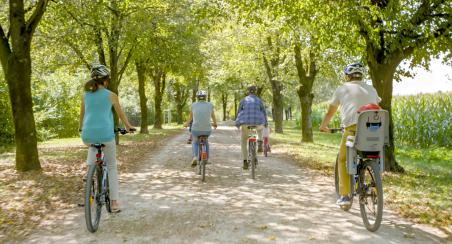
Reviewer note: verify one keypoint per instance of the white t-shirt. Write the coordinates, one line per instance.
(350, 97)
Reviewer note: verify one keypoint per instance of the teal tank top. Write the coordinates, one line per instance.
(98, 123)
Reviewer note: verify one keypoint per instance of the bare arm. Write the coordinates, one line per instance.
(326, 120)
(82, 112)
(115, 101)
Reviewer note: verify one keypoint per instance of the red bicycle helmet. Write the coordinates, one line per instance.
(370, 106)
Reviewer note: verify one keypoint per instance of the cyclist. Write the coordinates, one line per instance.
(350, 96)
(200, 114)
(251, 112)
(97, 126)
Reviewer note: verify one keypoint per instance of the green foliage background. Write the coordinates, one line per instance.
(6, 123)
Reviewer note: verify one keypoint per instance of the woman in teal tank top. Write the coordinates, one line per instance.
(97, 125)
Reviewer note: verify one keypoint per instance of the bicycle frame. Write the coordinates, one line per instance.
(103, 165)
(202, 148)
(252, 154)
(202, 156)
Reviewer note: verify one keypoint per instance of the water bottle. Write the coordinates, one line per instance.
(351, 155)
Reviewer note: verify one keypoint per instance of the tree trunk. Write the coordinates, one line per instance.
(278, 106)
(277, 98)
(141, 73)
(224, 101)
(209, 92)
(306, 77)
(16, 64)
(382, 79)
(235, 106)
(113, 45)
(181, 96)
(179, 111)
(271, 68)
(259, 91)
(159, 79)
(19, 84)
(306, 117)
(195, 87)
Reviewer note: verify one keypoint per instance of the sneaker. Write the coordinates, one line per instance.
(194, 162)
(245, 164)
(189, 141)
(344, 201)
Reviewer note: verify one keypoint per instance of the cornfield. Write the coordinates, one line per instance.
(423, 120)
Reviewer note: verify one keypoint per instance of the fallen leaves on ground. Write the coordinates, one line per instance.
(28, 199)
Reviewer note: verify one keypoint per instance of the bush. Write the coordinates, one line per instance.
(319, 110)
(56, 99)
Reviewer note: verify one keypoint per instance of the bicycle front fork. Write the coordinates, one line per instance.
(104, 183)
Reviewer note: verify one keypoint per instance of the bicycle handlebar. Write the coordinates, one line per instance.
(335, 130)
(124, 131)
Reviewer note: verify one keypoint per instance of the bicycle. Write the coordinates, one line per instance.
(364, 164)
(97, 192)
(202, 156)
(252, 154)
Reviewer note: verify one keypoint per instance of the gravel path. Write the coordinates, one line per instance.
(167, 203)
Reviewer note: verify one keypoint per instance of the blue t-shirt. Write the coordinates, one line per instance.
(202, 111)
(98, 119)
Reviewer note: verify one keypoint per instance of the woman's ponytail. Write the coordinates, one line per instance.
(91, 86)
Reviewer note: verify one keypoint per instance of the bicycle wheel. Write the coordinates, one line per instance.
(371, 195)
(107, 197)
(199, 158)
(203, 170)
(252, 148)
(93, 206)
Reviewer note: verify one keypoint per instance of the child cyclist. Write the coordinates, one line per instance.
(200, 114)
(349, 97)
(97, 126)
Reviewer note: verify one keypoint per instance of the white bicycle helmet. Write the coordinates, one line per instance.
(201, 93)
(99, 71)
(355, 68)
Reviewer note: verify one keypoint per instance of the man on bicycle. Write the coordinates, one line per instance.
(200, 115)
(251, 112)
(349, 97)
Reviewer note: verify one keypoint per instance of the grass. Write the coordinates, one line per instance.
(27, 200)
(423, 193)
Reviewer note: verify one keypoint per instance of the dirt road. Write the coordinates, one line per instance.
(167, 203)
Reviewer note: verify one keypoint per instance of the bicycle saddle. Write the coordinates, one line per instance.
(98, 145)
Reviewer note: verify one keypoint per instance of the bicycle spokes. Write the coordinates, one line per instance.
(371, 196)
